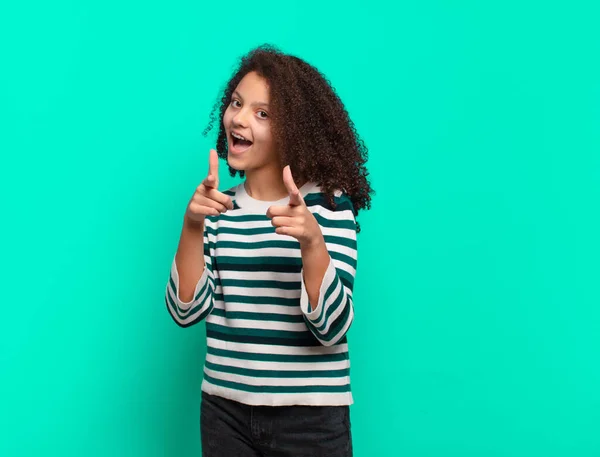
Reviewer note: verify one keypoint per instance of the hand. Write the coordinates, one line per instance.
(207, 200)
(295, 219)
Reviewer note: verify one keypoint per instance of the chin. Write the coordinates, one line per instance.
(235, 163)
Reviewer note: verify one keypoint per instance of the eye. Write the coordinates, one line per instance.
(235, 103)
(263, 114)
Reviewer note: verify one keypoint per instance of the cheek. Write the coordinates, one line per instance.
(227, 118)
(264, 134)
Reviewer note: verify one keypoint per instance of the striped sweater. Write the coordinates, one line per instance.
(266, 344)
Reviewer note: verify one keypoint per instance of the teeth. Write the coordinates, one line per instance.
(239, 137)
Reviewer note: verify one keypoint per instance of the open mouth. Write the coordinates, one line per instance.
(239, 143)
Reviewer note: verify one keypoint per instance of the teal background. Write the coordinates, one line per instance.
(477, 295)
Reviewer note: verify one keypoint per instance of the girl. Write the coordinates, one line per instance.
(270, 264)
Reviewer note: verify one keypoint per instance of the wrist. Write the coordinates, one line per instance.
(193, 224)
(314, 243)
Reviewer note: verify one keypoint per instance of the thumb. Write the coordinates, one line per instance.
(212, 180)
(295, 196)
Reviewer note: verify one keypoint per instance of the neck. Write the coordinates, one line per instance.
(266, 183)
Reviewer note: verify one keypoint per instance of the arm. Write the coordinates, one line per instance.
(190, 257)
(328, 249)
(189, 294)
(315, 261)
(328, 279)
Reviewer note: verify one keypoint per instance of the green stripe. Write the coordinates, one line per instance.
(241, 231)
(343, 258)
(313, 358)
(297, 319)
(347, 278)
(335, 305)
(322, 220)
(284, 374)
(277, 389)
(259, 260)
(280, 244)
(229, 298)
(348, 242)
(341, 320)
(335, 223)
(263, 284)
(314, 197)
(178, 310)
(191, 311)
(244, 218)
(259, 332)
(173, 306)
(329, 239)
(328, 293)
(331, 289)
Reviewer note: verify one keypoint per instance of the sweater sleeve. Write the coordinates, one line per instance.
(186, 314)
(330, 318)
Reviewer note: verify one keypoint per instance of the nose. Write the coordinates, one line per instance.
(239, 120)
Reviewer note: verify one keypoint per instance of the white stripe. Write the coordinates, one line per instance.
(278, 399)
(344, 266)
(333, 247)
(260, 252)
(341, 232)
(262, 325)
(348, 292)
(189, 318)
(269, 293)
(272, 236)
(281, 252)
(185, 308)
(206, 276)
(250, 307)
(261, 292)
(336, 215)
(252, 381)
(345, 215)
(245, 238)
(343, 331)
(237, 223)
(260, 275)
(278, 366)
(336, 313)
(276, 349)
(328, 303)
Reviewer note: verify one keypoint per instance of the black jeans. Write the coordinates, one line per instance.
(232, 429)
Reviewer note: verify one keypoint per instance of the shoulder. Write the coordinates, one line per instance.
(336, 216)
(341, 201)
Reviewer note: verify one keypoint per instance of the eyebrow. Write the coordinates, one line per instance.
(266, 105)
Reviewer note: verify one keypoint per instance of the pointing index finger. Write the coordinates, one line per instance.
(212, 179)
(295, 196)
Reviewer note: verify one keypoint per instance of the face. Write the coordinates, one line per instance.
(247, 124)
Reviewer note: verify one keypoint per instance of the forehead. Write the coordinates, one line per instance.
(254, 87)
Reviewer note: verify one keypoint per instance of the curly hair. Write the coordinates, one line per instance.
(310, 125)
